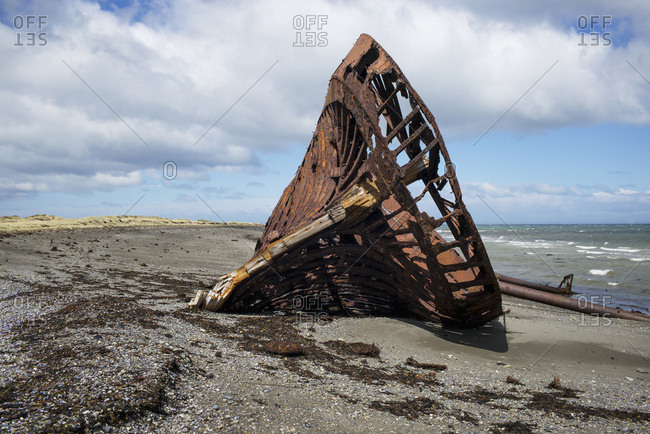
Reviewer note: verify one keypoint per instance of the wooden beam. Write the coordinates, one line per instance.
(348, 209)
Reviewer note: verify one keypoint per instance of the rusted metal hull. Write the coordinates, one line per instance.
(348, 234)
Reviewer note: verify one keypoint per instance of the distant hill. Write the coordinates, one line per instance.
(39, 222)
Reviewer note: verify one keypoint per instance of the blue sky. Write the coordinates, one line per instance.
(572, 150)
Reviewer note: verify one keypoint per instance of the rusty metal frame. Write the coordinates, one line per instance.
(347, 229)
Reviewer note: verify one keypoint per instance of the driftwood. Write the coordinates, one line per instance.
(348, 234)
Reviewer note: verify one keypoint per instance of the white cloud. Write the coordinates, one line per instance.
(518, 189)
(76, 183)
(174, 74)
(111, 181)
(623, 195)
(546, 203)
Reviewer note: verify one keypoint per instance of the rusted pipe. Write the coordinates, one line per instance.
(569, 303)
(538, 286)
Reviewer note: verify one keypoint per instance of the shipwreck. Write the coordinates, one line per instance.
(348, 232)
(352, 234)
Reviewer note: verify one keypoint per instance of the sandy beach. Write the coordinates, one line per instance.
(96, 336)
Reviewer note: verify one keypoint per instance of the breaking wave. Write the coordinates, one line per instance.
(597, 272)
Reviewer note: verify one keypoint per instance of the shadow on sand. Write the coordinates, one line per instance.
(491, 336)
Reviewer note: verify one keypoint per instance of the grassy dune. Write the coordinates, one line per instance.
(39, 222)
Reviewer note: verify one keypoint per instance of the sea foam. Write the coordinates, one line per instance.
(597, 272)
(621, 249)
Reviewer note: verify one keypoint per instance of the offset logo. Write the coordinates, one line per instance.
(30, 32)
(593, 30)
(309, 30)
(451, 170)
(594, 320)
(170, 170)
(311, 308)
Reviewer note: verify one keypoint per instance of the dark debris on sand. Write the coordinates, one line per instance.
(513, 427)
(433, 366)
(411, 408)
(353, 348)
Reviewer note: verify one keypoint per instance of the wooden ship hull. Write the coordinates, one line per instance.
(350, 236)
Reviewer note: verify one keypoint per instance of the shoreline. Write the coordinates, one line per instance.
(88, 320)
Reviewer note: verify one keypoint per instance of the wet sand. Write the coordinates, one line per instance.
(96, 335)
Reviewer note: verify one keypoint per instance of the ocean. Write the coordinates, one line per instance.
(610, 263)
